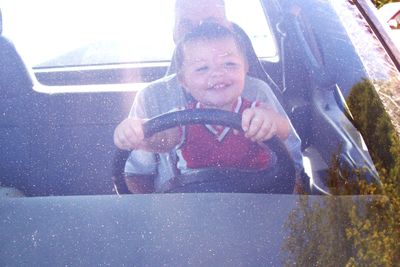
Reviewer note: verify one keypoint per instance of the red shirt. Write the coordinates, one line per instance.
(206, 146)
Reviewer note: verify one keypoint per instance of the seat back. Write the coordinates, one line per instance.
(256, 70)
(15, 89)
(14, 76)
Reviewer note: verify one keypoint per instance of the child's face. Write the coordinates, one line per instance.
(213, 72)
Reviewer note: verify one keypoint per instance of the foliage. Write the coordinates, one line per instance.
(371, 119)
(317, 234)
(344, 231)
(375, 232)
(379, 3)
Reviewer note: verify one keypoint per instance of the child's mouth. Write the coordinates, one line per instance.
(219, 86)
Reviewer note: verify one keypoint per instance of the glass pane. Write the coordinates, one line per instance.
(72, 33)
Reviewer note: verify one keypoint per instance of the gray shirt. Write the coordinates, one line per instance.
(166, 94)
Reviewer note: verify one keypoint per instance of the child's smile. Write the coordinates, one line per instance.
(219, 86)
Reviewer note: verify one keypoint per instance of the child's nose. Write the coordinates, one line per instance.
(217, 71)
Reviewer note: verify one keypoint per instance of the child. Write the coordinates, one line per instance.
(211, 67)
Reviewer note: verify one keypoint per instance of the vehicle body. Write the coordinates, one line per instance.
(390, 15)
(331, 62)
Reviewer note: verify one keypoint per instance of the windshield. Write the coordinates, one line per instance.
(198, 132)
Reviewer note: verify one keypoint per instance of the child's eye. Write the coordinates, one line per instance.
(201, 69)
(230, 64)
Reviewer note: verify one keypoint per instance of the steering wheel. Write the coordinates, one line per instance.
(279, 179)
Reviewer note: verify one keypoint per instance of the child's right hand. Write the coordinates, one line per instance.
(128, 135)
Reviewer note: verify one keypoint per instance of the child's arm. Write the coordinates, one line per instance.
(260, 123)
(128, 135)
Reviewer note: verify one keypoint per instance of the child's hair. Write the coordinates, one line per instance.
(206, 31)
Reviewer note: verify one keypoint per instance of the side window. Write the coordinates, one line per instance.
(249, 15)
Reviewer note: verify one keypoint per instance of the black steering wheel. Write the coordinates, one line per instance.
(279, 179)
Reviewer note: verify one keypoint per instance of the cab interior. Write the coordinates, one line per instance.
(61, 143)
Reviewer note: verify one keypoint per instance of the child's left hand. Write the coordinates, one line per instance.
(262, 122)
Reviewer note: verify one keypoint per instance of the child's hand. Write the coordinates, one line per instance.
(128, 135)
(261, 123)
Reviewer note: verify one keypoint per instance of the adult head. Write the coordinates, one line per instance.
(191, 13)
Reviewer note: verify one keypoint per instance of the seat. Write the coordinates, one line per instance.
(15, 89)
(14, 75)
(256, 70)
